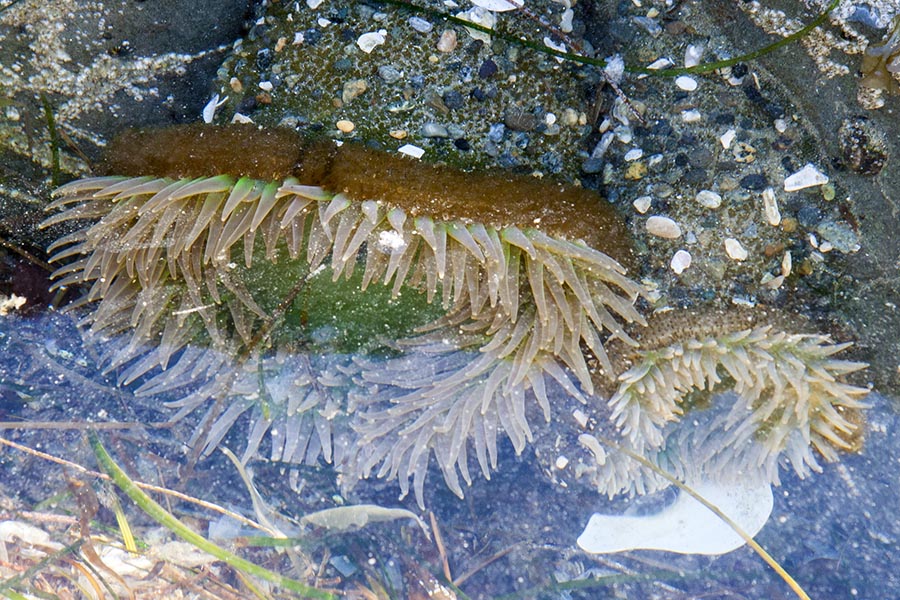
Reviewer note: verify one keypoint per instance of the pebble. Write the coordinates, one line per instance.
(420, 24)
(691, 116)
(633, 154)
(808, 176)
(345, 126)
(487, 69)
(642, 204)
(368, 41)
(352, 89)
(755, 182)
(838, 235)
(636, 171)
(709, 199)
(398, 134)
(770, 206)
(447, 43)
(434, 130)
(660, 63)
(680, 261)
(663, 227)
(735, 250)
(688, 84)
(389, 73)
(453, 100)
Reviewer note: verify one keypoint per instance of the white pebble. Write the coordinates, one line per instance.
(780, 125)
(735, 250)
(727, 138)
(496, 5)
(808, 176)
(410, 150)
(633, 154)
(420, 24)
(663, 227)
(561, 462)
(691, 116)
(323, 22)
(709, 199)
(368, 41)
(266, 86)
(580, 418)
(314, 4)
(688, 84)
(681, 261)
(770, 205)
(787, 264)
(642, 204)
(345, 126)
(693, 54)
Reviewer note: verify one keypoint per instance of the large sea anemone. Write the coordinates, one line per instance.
(210, 285)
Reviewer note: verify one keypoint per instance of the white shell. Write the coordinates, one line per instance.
(686, 526)
(642, 204)
(681, 261)
(499, 5)
(808, 176)
(410, 150)
(735, 250)
(727, 138)
(770, 205)
(368, 41)
(688, 84)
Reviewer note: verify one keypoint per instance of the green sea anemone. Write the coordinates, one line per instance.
(257, 292)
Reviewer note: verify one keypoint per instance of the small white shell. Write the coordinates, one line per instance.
(688, 84)
(680, 261)
(735, 250)
(368, 41)
(808, 176)
(770, 205)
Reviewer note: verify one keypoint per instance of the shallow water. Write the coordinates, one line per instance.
(836, 532)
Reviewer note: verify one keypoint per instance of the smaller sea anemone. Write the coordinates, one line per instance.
(787, 399)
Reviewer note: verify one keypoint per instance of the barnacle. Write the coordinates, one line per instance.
(881, 62)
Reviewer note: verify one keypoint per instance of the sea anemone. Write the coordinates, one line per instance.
(185, 256)
(753, 394)
(209, 287)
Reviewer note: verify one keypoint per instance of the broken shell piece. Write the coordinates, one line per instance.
(735, 250)
(663, 227)
(368, 41)
(686, 526)
(727, 138)
(681, 261)
(770, 205)
(808, 176)
(642, 204)
(693, 54)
